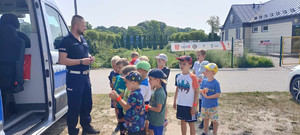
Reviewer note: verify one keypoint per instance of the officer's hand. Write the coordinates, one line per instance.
(92, 59)
(113, 95)
(86, 61)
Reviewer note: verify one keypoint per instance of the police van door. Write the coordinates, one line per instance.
(56, 30)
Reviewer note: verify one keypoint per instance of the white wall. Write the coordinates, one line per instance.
(275, 31)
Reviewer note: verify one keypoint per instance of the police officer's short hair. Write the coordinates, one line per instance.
(75, 19)
(127, 69)
(122, 61)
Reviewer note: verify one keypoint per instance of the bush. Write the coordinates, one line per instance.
(174, 64)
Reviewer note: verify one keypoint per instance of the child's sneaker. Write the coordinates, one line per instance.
(203, 133)
(201, 124)
(166, 123)
(117, 129)
(211, 127)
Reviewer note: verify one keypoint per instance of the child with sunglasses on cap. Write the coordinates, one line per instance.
(186, 95)
(135, 106)
(157, 106)
(210, 89)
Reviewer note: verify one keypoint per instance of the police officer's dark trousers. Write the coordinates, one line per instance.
(79, 101)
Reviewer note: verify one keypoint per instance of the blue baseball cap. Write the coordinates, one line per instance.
(157, 73)
(133, 76)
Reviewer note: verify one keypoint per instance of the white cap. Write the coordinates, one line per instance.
(162, 56)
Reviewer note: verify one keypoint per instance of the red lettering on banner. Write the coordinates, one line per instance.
(177, 47)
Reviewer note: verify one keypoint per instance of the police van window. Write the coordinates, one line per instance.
(65, 30)
(25, 24)
(56, 29)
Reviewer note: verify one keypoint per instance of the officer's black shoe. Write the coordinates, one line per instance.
(74, 132)
(90, 130)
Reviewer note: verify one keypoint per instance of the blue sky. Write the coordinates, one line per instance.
(178, 13)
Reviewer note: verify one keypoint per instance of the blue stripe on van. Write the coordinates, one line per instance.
(60, 78)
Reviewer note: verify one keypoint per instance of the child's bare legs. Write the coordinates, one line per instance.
(206, 122)
(166, 114)
(147, 127)
(216, 125)
(192, 128)
(183, 127)
(151, 132)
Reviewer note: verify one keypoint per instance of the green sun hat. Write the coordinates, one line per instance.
(143, 65)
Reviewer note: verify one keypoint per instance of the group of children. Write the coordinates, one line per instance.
(139, 94)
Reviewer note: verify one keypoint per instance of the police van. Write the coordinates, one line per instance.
(32, 83)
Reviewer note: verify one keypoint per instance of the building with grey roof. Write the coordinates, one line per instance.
(262, 25)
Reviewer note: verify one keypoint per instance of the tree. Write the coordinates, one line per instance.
(134, 30)
(154, 42)
(169, 30)
(140, 44)
(149, 42)
(145, 41)
(184, 37)
(92, 35)
(135, 46)
(154, 28)
(166, 40)
(122, 41)
(214, 23)
(128, 45)
(198, 35)
(161, 42)
(88, 26)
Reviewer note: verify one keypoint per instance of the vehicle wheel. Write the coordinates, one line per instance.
(295, 89)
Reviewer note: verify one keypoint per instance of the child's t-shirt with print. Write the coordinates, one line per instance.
(187, 84)
(146, 90)
(135, 116)
(113, 76)
(119, 87)
(213, 88)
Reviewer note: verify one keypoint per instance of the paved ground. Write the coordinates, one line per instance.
(231, 80)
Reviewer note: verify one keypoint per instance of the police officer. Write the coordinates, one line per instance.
(73, 52)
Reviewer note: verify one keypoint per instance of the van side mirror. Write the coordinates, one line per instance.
(57, 42)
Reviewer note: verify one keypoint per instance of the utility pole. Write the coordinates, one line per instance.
(75, 6)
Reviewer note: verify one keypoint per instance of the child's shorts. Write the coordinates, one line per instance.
(211, 113)
(142, 132)
(120, 114)
(158, 130)
(184, 113)
(112, 104)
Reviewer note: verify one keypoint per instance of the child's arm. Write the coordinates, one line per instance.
(155, 109)
(114, 95)
(196, 99)
(175, 98)
(217, 95)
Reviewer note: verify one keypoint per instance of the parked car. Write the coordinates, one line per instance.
(294, 83)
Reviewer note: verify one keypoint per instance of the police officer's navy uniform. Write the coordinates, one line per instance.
(78, 84)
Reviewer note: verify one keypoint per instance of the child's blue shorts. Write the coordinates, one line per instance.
(158, 130)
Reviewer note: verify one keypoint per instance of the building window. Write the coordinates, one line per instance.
(271, 14)
(255, 18)
(265, 15)
(292, 10)
(260, 17)
(264, 28)
(284, 11)
(277, 13)
(254, 29)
